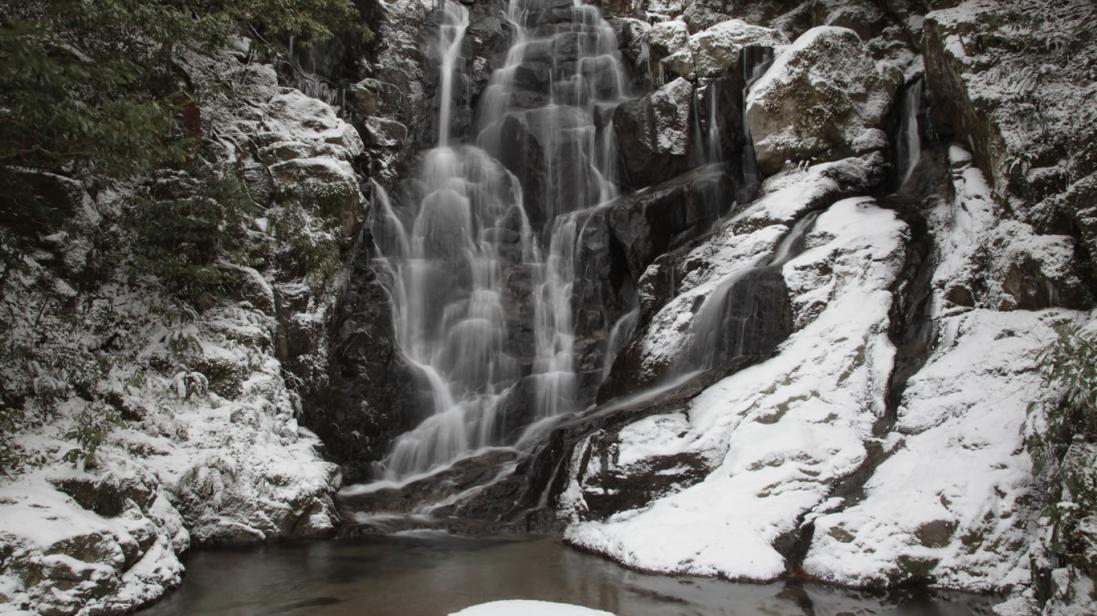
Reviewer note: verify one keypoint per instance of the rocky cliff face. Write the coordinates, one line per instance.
(920, 238)
(151, 423)
(807, 325)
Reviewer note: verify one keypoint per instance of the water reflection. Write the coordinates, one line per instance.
(432, 574)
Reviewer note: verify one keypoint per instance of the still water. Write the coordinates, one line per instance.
(434, 574)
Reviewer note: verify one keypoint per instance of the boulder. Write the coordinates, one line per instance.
(649, 223)
(702, 14)
(823, 99)
(372, 97)
(864, 17)
(678, 64)
(715, 50)
(665, 38)
(653, 134)
(631, 35)
(109, 495)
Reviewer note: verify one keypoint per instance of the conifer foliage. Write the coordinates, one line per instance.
(94, 84)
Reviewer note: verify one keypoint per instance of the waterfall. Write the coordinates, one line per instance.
(482, 246)
(910, 139)
(455, 21)
(715, 152)
(729, 326)
(618, 336)
(754, 62)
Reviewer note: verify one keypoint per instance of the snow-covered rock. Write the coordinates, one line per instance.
(528, 608)
(664, 39)
(715, 50)
(780, 434)
(990, 260)
(150, 423)
(739, 243)
(950, 503)
(1004, 78)
(823, 99)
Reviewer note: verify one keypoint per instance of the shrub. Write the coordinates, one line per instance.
(91, 429)
(182, 226)
(1064, 446)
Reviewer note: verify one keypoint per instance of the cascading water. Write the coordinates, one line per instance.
(482, 253)
(729, 325)
(755, 61)
(910, 139)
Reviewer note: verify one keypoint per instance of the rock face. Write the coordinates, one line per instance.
(748, 441)
(658, 220)
(819, 379)
(823, 99)
(663, 39)
(363, 402)
(183, 429)
(653, 134)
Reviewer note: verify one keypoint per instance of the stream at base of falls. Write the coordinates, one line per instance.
(433, 574)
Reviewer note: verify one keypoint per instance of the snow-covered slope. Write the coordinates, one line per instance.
(150, 424)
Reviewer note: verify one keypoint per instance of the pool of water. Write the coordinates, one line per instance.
(434, 574)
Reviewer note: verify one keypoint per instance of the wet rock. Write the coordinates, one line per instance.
(824, 99)
(431, 490)
(631, 34)
(656, 286)
(650, 223)
(755, 317)
(653, 134)
(547, 158)
(608, 488)
(366, 399)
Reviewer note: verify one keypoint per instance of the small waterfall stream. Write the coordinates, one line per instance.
(729, 326)
(481, 246)
(755, 61)
(910, 138)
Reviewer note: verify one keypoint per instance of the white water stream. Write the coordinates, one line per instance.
(483, 251)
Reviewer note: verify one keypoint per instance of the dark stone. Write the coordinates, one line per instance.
(649, 223)
(38, 202)
(367, 398)
(608, 490)
(449, 482)
(754, 316)
(548, 161)
(654, 133)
